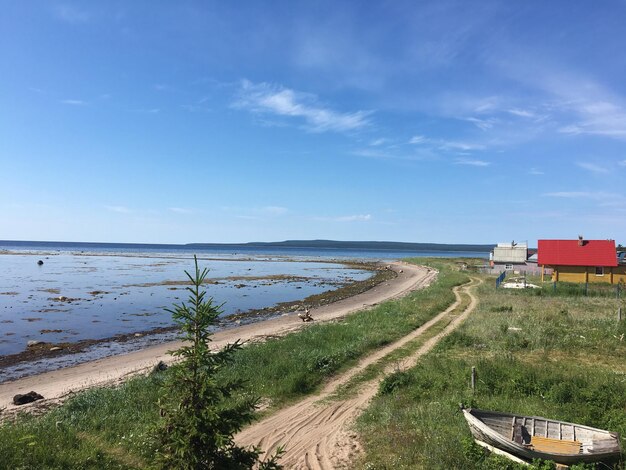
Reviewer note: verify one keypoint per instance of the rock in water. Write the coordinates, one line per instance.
(39, 262)
(26, 398)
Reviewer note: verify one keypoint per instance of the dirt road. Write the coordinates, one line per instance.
(316, 432)
(56, 385)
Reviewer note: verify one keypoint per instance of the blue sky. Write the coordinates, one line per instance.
(431, 121)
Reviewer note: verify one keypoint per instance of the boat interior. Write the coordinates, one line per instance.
(550, 436)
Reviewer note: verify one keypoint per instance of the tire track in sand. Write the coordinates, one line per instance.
(315, 434)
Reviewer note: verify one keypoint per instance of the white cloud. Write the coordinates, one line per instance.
(464, 146)
(265, 98)
(75, 102)
(535, 171)
(602, 196)
(465, 161)
(569, 194)
(418, 139)
(483, 124)
(622, 163)
(118, 209)
(521, 113)
(592, 167)
(346, 218)
(181, 210)
(392, 154)
(378, 142)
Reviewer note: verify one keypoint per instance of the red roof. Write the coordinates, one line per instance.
(571, 253)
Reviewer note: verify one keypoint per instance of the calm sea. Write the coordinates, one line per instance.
(100, 291)
(232, 251)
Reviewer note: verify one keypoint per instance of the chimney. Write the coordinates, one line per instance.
(580, 240)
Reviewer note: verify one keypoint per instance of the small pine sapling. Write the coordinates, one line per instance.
(199, 415)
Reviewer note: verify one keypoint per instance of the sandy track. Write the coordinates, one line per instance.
(57, 385)
(315, 432)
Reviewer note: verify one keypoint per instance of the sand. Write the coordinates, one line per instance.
(57, 385)
(316, 433)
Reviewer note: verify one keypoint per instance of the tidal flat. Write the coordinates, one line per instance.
(101, 305)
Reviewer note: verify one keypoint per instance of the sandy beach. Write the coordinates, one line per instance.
(57, 385)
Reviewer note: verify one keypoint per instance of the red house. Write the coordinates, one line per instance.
(581, 260)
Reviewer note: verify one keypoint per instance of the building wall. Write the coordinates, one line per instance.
(583, 274)
(508, 254)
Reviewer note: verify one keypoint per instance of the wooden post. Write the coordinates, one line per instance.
(473, 378)
(619, 314)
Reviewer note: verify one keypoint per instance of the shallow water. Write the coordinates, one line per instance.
(114, 294)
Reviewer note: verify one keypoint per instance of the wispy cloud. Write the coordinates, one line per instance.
(622, 163)
(602, 196)
(346, 218)
(522, 113)
(592, 167)
(465, 161)
(581, 104)
(264, 98)
(483, 124)
(274, 210)
(418, 139)
(147, 110)
(71, 14)
(118, 209)
(464, 146)
(378, 142)
(75, 102)
(394, 154)
(535, 171)
(597, 118)
(181, 210)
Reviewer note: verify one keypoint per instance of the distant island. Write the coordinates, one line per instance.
(354, 245)
(301, 244)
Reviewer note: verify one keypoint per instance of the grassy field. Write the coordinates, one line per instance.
(550, 353)
(112, 428)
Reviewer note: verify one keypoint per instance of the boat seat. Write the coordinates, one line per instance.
(555, 446)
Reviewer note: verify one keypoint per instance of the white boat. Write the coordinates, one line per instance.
(534, 437)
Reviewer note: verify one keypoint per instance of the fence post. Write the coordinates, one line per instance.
(586, 288)
(619, 314)
(473, 378)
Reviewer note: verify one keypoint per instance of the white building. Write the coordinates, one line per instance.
(509, 254)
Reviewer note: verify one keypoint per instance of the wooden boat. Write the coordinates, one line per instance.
(533, 437)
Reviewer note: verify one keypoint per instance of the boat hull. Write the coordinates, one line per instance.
(485, 433)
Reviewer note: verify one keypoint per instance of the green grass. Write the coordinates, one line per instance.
(555, 356)
(287, 368)
(112, 427)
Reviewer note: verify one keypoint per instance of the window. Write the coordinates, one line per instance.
(508, 267)
(599, 270)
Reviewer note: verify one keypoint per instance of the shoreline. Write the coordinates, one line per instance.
(58, 384)
(62, 353)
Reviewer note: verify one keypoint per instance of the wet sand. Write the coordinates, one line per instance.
(56, 385)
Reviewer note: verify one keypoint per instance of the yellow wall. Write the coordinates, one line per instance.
(582, 274)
